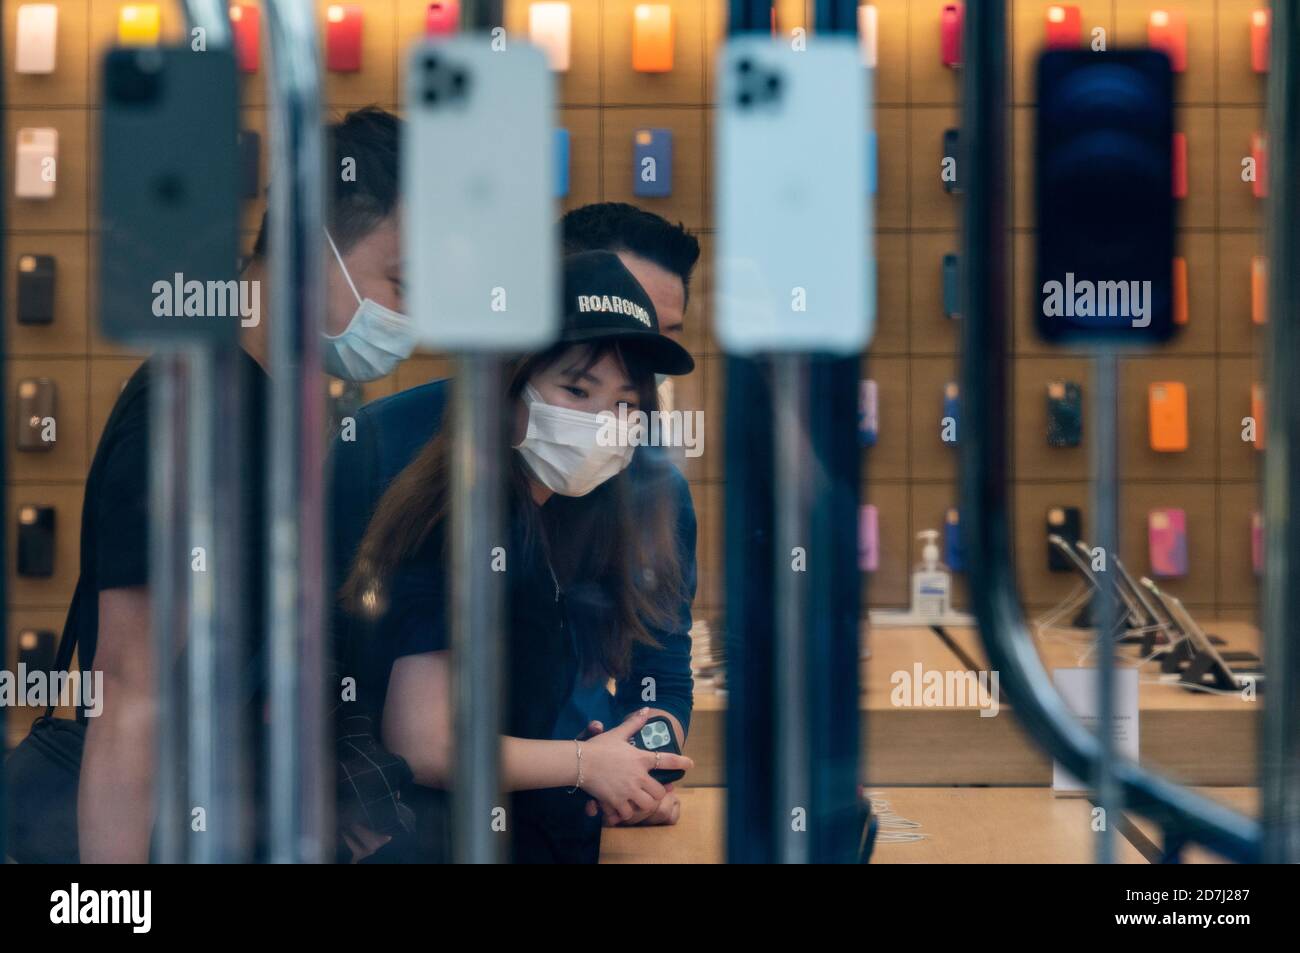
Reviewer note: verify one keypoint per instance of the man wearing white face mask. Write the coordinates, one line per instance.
(109, 616)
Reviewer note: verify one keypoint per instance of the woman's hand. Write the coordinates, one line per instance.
(617, 774)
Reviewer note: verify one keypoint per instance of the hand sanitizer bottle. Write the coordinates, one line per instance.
(931, 580)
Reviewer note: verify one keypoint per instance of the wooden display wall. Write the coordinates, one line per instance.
(603, 101)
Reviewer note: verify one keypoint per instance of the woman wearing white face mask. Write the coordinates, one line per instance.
(593, 568)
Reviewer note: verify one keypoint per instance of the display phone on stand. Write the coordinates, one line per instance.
(170, 193)
(480, 231)
(794, 237)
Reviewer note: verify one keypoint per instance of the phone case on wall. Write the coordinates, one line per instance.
(250, 167)
(652, 163)
(1179, 160)
(35, 540)
(954, 550)
(951, 286)
(344, 399)
(1258, 410)
(139, 24)
(793, 234)
(951, 422)
(1064, 414)
(1167, 416)
(951, 150)
(1260, 38)
(652, 38)
(442, 19)
(1257, 543)
(36, 163)
(549, 30)
(868, 413)
(950, 33)
(36, 289)
(37, 649)
(36, 38)
(873, 163)
(1259, 151)
(343, 26)
(1062, 521)
(37, 402)
(1167, 542)
(169, 196)
(1259, 289)
(1063, 27)
(246, 22)
(868, 538)
(561, 163)
(1167, 32)
(484, 226)
(1180, 290)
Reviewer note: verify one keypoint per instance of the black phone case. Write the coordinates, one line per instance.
(1065, 417)
(663, 776)
(36, 541)
(1067, 529)
(36, 289)
(34, 407)
(37, 649)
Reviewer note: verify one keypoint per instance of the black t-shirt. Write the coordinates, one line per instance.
(115, 512)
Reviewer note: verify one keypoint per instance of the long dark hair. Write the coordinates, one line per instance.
(621, 538)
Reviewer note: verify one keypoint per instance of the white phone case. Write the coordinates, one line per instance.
(36, 33)
(477, 169)
(35, 167)
(795, 269)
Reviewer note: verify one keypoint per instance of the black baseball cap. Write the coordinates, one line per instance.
(602, 299)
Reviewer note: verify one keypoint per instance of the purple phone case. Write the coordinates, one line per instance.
(868, 538)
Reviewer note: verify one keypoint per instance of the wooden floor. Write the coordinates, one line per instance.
(961, 826)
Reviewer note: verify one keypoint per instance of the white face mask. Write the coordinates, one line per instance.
(375, 341)
(565, 448)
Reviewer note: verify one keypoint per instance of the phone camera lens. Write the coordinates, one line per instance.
(430, 63)
(745, 99)
(431, 96)
(745, 67)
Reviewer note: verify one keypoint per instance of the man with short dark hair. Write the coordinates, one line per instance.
(110, 617)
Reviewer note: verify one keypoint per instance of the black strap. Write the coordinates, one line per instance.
(63, 657)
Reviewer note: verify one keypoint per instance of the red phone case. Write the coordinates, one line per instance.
(1167, 31)
(1260, 30)
(343, 38)
(442, 19)
(246, 22)
(1064, 27)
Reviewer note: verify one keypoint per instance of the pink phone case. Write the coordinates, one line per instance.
(1167, 542)
(868, 538)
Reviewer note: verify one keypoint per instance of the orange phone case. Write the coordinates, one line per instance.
(1259, 289)
(1257, 411)
(1168, 416)
(652, 38)
(1180, 290)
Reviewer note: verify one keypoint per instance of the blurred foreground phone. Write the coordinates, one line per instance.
(170, 196)
(1104, 197)
(480, 235)
(794, 255)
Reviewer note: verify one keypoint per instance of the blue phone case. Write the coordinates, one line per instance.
(561, 163)
(954, 554)
(951, 288)
(951, 150)
(872, 167)
(652, 165)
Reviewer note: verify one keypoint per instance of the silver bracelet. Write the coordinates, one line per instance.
(578, 784)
